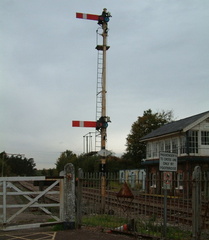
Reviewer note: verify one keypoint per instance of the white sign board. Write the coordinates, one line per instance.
(167, 180)
(168, 162)
(104, 153)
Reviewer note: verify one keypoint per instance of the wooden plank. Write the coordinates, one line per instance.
(28, 193)
(29, 226)
(84, 124)
(29, 198)
(16, 179)
(32, 201)
(38, 205)
(4, 202)
(87, 16)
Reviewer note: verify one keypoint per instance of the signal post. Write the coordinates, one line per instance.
(102, 122)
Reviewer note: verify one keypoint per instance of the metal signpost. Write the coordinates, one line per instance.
(196, 203)
(167, 164)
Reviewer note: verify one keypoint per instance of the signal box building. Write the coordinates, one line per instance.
(189, 139)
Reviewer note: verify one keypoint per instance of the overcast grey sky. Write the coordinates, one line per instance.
(158, 59)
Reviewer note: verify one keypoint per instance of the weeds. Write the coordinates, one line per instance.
(104, 221)
(144, 226)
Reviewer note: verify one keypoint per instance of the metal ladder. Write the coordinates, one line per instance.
(99, 96)
(99, 85)
(97, 133)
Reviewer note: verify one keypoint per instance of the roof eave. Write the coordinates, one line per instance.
(196, 122)
(160, 136)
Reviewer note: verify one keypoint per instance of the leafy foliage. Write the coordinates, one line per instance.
(4, 167)
(50, 172)
(16, 165)
(65, 157)
(136, 150)
(87, 163)
(90, 163)
(114, 164)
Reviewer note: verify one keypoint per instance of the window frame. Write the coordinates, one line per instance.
(205, 138)
(193, 141)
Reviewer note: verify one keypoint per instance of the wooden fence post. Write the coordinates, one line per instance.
(196, 203)
(79, 198)
(69, 196)
(61, 196)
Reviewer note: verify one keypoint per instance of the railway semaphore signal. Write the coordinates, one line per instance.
(102, 119)
(101, 123)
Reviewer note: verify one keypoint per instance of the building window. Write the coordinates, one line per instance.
(162, 149)
(179, 182)
(175, 145)
(182, 145)
(149, 150)
(153, 180)
(122, 180)
(167, 146)
(205, 138)
(193, 141)
(155, 149)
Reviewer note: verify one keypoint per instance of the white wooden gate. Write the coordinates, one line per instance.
(10, 188)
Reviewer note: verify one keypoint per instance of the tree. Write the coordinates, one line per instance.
(16, 165)
(65, 157)
(88, 163)
(29, 166)
(136, 150)
(114, 164)
(4, 167)
(21, 166)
